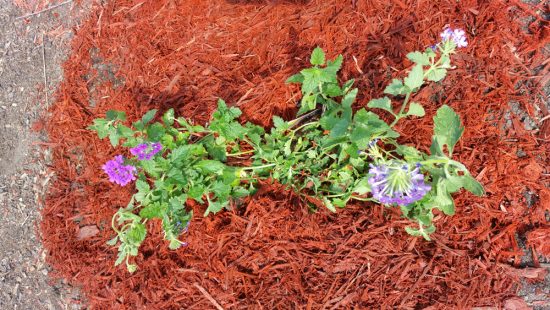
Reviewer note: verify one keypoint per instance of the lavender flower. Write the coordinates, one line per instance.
(396, 183)
(118, 172)
(146, 151)
(458, 36)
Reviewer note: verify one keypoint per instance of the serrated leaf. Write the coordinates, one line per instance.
(381, 103)
(155, 132)
(317, 57)
(101, 127)
(154, 210)
(362, 187)
(415, 78)
(113, 241)
(296, 78)
(215, 207)
(447, 127)
(416, 109)
(136, 234)
(131, 268)
(349, 98)
(113, 115)
(174, 244)
(210, 166)
(328, 204)
(332, 90)
(334, 66)
(279, 123)
(419, 58)
(147, 117)
(473, 186)
(395, 88)
(443, 201)
(436, 75)
(124, 131)
(168, 117)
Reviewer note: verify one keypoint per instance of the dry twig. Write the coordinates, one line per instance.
(208, 296)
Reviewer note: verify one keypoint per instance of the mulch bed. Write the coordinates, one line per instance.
(271, 253)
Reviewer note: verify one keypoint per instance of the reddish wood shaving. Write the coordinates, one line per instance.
(273, 253)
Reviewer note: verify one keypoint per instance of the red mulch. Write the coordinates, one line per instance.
(273, 254)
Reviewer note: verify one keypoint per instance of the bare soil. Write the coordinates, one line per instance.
(31, 52)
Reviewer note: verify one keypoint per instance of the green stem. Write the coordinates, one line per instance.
(400, 114)
(304, 125)
(240, 153)
(362, 199)
(258, 167)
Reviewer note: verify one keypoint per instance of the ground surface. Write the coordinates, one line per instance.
(24, 282)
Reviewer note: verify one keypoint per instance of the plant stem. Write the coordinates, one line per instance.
(258, 167)
(240, 153)
(362, 199)
(400, 115)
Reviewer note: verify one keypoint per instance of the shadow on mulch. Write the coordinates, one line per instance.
(271, 252)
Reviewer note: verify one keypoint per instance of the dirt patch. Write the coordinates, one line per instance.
(274, 253)
(24, 45)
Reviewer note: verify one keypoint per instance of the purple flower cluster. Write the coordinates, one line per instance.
(458, 36)
(146, 151)
(118, 172)
(396, 183)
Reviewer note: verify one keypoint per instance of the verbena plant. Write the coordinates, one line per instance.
(328, 155)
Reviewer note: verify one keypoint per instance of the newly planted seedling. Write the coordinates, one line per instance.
(328, 160)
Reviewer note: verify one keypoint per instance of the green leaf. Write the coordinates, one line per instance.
(362, 187)
(416, 109)
(443, 201)
(368, 126)
(215, 207)
(210, 166)
(239, 192)
(415, 78)
(334, 66)
(347, 86)
(168, 117)
(124, 131)
(136, 234)
(296, 78)
(101, 126)
(436, 75)
(317, 57)
(472, 185)
(131, 267)
(114, 115)
(147, 117)
(196, 192)
(279, 123)
(308, 103)
(349, 98)
(332, 90)
(155, 132)
(174, 244)
(113, 241)
(329, 205)
(419, 58)
(381, 103)
(154, 210)
(447, 127)
(395, 88)
(114, 138)
(410, 153)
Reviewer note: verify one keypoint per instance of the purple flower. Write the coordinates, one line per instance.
(396, 183)
(118, 172)
(458, 36)
(146, 151)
